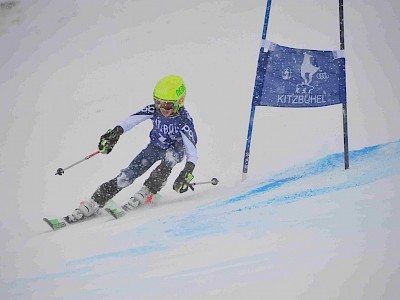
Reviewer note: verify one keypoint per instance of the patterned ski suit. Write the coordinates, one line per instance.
(171, 139)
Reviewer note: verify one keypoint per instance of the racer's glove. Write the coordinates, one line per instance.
(182, 182)
(109, 139)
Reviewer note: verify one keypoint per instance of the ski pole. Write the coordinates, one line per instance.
(60, 171)
(213, 181)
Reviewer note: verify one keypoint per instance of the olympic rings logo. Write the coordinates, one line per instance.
(322, 75)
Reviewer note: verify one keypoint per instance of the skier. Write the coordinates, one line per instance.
(172, 137)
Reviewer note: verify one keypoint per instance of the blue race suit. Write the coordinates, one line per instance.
(171, 139)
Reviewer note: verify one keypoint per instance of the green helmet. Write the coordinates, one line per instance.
(171, 89)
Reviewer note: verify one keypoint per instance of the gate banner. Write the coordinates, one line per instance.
(291, 77)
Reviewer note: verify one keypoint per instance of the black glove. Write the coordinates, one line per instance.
(182, 183)
(109, 139)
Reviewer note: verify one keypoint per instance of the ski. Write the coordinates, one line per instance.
(115, 212)
(119, 211)
(58, 223)
(62, 222)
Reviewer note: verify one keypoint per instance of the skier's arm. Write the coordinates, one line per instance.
(111, 137)
(181, 183)
(190, 148)
(137, 118)
(189, 138)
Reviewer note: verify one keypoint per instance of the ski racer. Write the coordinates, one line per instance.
(172, 138)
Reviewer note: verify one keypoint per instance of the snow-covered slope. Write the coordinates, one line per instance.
(300, 228)
(315, 228)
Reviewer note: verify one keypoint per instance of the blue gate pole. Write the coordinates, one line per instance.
(344, 105)
(253, 108)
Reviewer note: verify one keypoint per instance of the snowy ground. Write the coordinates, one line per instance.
(300, 228)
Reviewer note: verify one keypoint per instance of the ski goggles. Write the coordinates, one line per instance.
(167, 105)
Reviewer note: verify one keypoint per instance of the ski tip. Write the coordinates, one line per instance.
(47, 221)
(55, 224)
(116, 213)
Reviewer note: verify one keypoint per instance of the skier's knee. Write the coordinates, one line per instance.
(125, 178)
(171, 159)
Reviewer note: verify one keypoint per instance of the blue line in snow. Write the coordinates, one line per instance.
(335, 161)
(366, 165)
